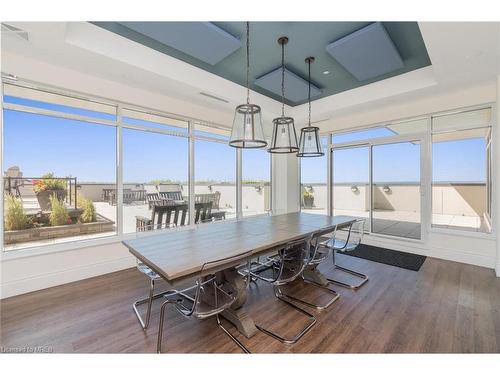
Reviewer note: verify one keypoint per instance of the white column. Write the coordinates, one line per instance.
(496, 182)
(285, 187)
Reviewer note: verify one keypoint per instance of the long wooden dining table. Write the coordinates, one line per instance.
(179, 254)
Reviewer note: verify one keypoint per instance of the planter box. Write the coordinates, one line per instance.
(308, 202)
(43, 198)
(43, 233)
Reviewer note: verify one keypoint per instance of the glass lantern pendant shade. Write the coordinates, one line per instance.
(247, 127)
(284, 138)
(309, 143)
(247, 131)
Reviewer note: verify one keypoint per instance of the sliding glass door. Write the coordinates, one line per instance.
(396, 185)
(380, 180)
(351, 182)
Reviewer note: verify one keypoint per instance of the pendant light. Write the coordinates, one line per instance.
(247, 129)
(284, 139)
(309, 144)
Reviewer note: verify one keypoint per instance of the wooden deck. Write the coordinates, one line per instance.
(445, 307)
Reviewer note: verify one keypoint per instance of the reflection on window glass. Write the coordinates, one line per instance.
(55, 170)
(313, 177)
(396, 189)
(256, 186)
(155, 173)
(64, 108)
(150, 120)
(351, 182)
(215, 178)
(362, 135)
(459, 181)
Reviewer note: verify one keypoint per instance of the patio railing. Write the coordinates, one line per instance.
(13, 185)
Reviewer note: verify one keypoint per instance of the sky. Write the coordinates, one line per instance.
(40, 144)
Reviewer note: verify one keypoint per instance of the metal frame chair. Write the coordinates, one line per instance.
(211, 296)
(153, 276)
(287, 266)
(349, 243)
(317, 257)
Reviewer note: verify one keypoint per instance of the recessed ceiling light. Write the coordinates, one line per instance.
(326, 72)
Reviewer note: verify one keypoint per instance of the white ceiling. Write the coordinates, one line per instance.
(462, 54)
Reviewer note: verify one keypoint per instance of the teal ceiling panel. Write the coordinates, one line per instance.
(305, 39)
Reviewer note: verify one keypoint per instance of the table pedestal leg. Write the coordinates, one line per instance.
(237, 314)
(312, 274)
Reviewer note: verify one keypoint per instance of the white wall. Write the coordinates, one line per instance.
(496, 188)
(26, 274)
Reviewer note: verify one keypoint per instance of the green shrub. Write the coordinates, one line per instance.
(53, 183)
(308, 194)
(59, 214)
(15, 217)
(89, 213)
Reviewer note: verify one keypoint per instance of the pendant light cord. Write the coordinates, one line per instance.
(309, 91)
(282, 79)
(248, 62)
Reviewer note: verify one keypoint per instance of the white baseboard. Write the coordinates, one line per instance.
(47, 280)
(497, 270)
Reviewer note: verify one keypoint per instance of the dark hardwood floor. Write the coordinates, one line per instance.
(445, 307)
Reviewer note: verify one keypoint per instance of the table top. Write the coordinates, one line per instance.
(180, 253)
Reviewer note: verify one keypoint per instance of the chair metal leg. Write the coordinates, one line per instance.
(334, 298)
(160, 327)
(351, 272)
(149, 301)
(279, 294)
(238, 342)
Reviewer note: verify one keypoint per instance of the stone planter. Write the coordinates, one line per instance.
(44, 233)
(308, 202)
(44, 198)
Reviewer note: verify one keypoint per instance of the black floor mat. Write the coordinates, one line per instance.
(386, 256)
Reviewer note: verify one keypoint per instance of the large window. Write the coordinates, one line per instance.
(256, 182)
(313, 182)
(67, 159)
(215, 172)
(461, 171)
(57, 154)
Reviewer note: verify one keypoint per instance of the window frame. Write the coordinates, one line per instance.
(426, 178)
(119, 124)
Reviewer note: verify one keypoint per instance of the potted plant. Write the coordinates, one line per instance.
(308, 198)
(46, 187)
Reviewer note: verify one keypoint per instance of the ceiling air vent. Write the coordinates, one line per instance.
(14, 31)
(214, 97)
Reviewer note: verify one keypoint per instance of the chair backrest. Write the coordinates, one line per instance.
(202, 211)
(216, 200)
(318, 253)
(211, 298)
(151, 197)
(352, 235)
(172, 195)
(165, 216)
(293, 259)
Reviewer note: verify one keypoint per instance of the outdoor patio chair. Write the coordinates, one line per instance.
(163, 216)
